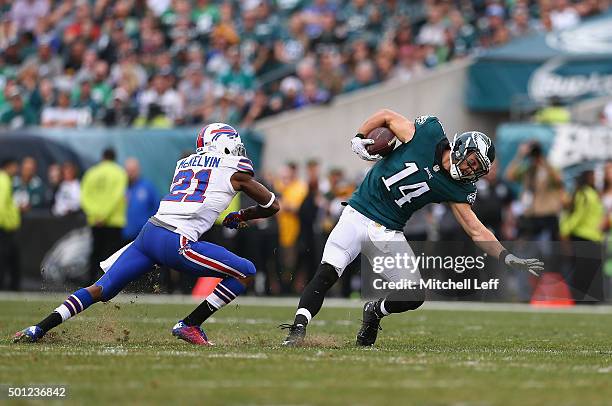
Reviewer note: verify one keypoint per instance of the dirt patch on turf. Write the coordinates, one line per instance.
(106, 328)
(322, 341)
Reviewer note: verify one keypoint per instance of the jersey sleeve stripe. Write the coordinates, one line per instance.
(245, 167)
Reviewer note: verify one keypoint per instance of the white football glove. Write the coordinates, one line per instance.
(532, 265)
(358, 145)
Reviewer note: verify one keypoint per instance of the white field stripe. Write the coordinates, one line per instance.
(292, 302)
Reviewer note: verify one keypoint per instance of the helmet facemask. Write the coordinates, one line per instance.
(466, 149)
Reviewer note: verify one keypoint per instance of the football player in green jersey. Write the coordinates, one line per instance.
(424, 168)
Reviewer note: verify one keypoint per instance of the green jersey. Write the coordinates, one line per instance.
(409, 178)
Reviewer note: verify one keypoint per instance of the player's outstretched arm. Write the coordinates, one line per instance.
(267, 204)
(402, 127)
(485, 240)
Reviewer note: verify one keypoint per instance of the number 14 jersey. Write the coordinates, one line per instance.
(201, 189)
(410, 178)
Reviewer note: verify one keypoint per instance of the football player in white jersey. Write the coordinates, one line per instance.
(203, 186)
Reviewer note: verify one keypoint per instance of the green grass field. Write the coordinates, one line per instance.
(124, 353)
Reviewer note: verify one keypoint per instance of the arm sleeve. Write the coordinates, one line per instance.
(466, 195)
(245, 165)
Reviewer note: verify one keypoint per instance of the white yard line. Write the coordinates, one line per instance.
(330, 302)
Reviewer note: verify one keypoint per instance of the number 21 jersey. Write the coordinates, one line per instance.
(201, 189)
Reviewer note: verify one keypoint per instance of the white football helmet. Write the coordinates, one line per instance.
(465, 144)
(220, 138)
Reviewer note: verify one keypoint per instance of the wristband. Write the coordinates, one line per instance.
(360, 135)
(272, 198)
(503, 255)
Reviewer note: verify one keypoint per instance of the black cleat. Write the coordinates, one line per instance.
(369, 326)
(296, 335)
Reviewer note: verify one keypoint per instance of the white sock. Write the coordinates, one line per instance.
(304, 312)
(383, 310)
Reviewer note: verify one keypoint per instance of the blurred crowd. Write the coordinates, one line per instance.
(164, 63)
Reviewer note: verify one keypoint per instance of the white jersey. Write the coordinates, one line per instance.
(200, 191)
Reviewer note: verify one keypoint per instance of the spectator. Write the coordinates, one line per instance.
(257, 109)
(290, 88)
(17, 114)
(161, 93)
(555, 113)
(26, 13)
(330, 73)
(582, 225)
(68, 195)
(54, 178)
(28, 189)
(292, 44)
(312, 95)
(432, 32)
(101, 91)
(538, 209)
(62, 115)
(238, 77)
(493, 204)
(155, 118)
(142, 200)
(563, 15)
(196, 89)
(9, 222)
(606, 199)
(409, 65)
(541, 196)
(47, 64)
(103, 201)
(365, 76)
(308, 215)
(292, 191)
(82, 99)
(223, 111)
(121, 113)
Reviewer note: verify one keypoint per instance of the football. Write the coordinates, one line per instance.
(384, 141)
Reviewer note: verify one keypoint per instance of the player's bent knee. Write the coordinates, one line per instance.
(107, 289)
(248, 269)
(95, 291)
(326, 274)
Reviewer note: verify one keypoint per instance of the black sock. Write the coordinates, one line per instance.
(52, 320)
(401, 301)
(314, 293)
(301, 319)
(200, 314)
